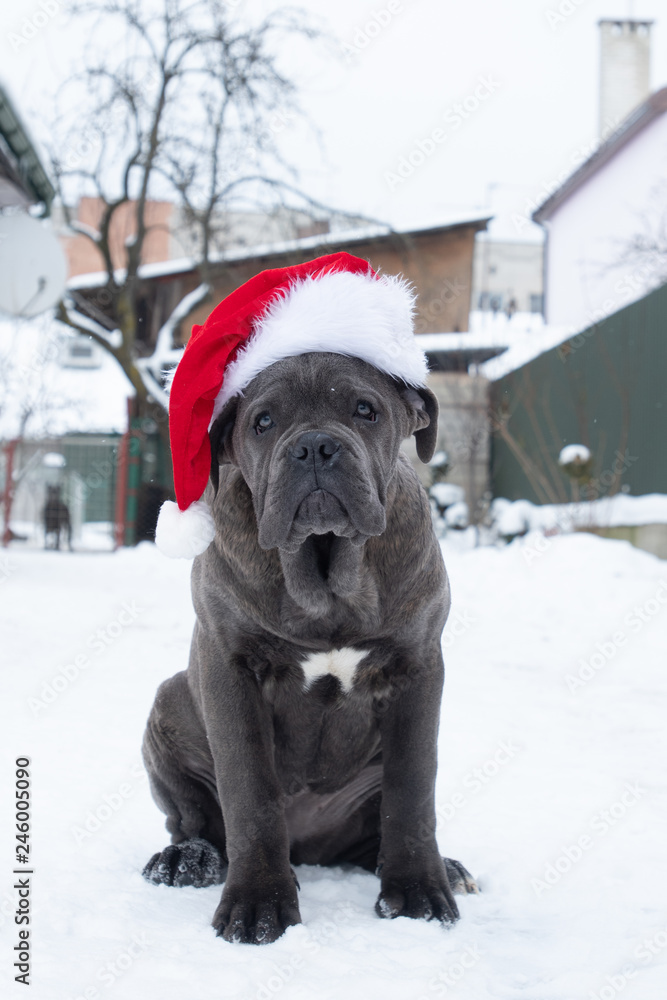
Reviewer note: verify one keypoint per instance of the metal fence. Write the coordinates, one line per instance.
(68, 484)
(91, 491)
(604, 388)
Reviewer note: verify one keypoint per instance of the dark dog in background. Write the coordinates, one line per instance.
(304, 730)
(57, 522)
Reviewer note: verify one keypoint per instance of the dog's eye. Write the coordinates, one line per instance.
(366, 411)
(263, 423)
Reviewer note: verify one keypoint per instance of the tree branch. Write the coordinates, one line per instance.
(152, 385)
(84, 230)
(68, 314)
(164, 344)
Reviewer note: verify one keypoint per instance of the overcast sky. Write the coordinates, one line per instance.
(509, 90)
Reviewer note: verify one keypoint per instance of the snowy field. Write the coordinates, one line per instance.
(551, 790)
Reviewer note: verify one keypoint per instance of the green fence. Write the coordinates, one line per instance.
(92, 463)
(112, 485)
(146, 481)
(605, 388)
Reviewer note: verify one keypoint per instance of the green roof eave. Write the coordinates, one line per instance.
(15, 134)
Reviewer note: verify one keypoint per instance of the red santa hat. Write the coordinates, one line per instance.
(335, 303)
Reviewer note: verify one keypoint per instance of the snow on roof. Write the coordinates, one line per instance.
(514, 341)
(63, 400)
(524, 349)
(337, 238)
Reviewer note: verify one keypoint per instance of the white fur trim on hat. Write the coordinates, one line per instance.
(184, 534)
(356, 315)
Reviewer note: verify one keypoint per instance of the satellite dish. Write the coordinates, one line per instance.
(33, 269)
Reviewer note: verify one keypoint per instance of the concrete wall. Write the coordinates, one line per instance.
(463, 432)
(649, 537)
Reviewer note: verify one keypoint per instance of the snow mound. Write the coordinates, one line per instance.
(574, 453)
(622, 510)
(446, 494)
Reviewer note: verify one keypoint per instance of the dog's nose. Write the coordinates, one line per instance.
(316, 446)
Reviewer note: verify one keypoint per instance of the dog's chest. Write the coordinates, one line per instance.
(324, 718)
(342, 664)
(324, 709)
(340, 672)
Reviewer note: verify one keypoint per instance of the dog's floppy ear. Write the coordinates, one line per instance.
(220, 437)
(423, 411)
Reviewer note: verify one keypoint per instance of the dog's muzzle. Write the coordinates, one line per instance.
(319, 483)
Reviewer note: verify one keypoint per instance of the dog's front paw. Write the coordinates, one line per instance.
(422, 896)
(253, 915)
(192, 862)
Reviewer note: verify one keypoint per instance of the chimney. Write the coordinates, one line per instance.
(625, 64)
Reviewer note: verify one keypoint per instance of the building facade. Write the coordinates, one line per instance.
(597, 220)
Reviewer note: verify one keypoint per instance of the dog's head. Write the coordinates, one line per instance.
(316, 438)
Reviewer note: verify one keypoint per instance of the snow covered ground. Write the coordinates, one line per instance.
(551, 789)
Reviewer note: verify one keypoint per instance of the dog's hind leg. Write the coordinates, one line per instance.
(180, 770)
(344, 828)
(460, 880)
(341, 827)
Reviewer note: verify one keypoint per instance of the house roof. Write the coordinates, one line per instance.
(341, 238)
(27, 173)
(636, 122)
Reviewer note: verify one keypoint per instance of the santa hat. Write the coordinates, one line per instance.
(335, 303)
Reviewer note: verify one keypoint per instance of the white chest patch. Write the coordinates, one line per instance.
(341, 663)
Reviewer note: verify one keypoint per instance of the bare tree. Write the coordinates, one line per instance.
(31, 400)
(643, 257)
(180, 109)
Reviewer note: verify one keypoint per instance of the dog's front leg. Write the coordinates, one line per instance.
(413, 877)
(260, 895)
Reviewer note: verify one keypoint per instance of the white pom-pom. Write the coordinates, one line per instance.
(184, 534)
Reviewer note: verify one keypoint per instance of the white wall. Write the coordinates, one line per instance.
(588, 234)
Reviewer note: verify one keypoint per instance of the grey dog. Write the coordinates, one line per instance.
(304, 729)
